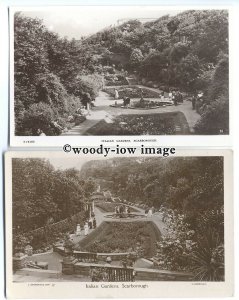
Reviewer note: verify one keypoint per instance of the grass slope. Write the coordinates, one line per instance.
(143, 124)
(122, 237)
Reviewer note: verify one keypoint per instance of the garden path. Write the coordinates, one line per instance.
(103, 111)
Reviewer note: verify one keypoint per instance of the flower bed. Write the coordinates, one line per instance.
(146, 104)
(139, 237)
(113, 79)
(110, 207)
(133, 92)
(145, 124)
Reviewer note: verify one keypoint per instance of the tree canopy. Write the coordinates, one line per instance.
(42, 193)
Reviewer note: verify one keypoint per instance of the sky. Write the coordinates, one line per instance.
(70, 162)
(75, 22)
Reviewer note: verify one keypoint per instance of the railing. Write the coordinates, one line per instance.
(114, 273)
(121, 274)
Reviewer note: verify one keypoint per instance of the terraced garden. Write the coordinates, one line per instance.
(142, 124)
(112, 237)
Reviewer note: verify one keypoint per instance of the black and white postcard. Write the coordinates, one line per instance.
(134, 226)
(137, 73)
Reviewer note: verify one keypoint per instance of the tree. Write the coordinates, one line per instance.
(40, 193)
(220, 80)
(215, 118)
(86, 84)
(188, 70)
(176, 245)
(136, 57)
(215, 113)
(178, 51)
(38, 116)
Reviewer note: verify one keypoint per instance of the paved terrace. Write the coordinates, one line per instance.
(103, 111)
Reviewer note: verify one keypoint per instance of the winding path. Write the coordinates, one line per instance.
(103, 111)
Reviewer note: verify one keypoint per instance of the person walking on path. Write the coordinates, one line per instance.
(126, 101)
(86, 101)
(175, 99)
(90, 223)
(86, 228)
(141, 95)
(193, 102)
(116, 94)
(150, 213)
(170, 95)
(94, 223)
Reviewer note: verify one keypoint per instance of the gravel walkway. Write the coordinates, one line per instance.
(103, 111)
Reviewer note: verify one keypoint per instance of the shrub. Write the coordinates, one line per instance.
(176, 245)
(86, 84)
(39, 116)
(214, 118)
(51, 91)
(208, 258)
(20, 242)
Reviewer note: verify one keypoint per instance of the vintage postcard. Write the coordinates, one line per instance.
(81, 226)
(139, 73)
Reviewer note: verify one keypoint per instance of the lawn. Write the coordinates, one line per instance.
(142, 124)
(123, 237)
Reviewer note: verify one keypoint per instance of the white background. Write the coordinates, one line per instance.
(4, 101)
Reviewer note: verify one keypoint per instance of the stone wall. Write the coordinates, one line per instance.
(114, 256)
(160, 275)
(19, 262)
(142, 274)
(100, 256)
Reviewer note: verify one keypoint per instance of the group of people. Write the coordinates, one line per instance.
(149, 212)
(89, 224)
(176, 97)
(126, 100)
(87, 101)
(121, 209)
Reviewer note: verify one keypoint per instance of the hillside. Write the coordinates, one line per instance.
(189, 185)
